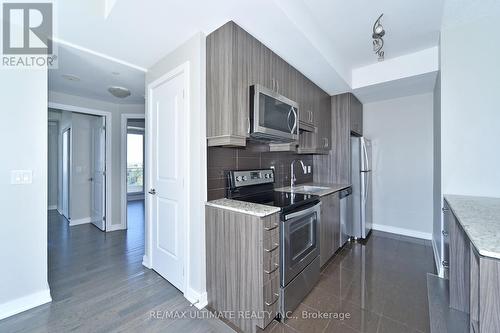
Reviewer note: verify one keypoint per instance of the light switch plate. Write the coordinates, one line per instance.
(21, 177)
(308, 169)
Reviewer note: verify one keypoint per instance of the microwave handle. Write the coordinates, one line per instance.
(288, 120)
(292, 109)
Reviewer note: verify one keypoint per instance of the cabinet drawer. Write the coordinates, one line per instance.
(271, 240)
(271, 264)
(271, 222)
(271, 297)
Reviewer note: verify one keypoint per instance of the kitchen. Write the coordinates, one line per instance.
(312, 166)
(289, 179)
(290, 197)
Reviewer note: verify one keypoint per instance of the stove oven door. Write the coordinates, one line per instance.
(299, 241)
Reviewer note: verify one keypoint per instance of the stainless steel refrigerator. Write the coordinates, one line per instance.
(361, 172)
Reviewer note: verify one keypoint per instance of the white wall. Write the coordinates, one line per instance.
(402, 134)
(23, 238)
(116, 111)
(193, 51)
(470, 114)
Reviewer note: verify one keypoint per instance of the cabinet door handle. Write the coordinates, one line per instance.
(445, 234)
(277, 86)
(271, 228)
(273, 248)
(272, 270)
(274, 301)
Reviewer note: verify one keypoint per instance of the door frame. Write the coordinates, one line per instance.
(70, 176)
(147, 259)
(123, 163)
(109, 165)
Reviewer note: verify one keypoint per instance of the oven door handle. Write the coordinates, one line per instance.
(302, 212)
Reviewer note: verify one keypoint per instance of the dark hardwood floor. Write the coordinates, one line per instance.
(98, 284)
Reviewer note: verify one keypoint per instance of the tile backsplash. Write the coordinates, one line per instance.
(254, 156)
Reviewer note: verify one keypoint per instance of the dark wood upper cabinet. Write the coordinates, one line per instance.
(235, 61)
(356, 111)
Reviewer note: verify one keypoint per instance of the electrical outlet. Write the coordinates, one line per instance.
(21, 177)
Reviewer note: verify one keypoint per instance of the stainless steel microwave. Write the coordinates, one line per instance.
(273, 117)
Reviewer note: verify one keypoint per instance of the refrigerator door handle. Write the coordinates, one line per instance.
(366, 167)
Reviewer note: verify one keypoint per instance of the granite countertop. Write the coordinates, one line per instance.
(244, 207)
(330, 188)
(480, 218)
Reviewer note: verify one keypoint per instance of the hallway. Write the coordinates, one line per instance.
(98, 284)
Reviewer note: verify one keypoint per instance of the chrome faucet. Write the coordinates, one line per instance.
(293, 179)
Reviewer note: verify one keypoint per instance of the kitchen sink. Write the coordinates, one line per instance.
(310, 188)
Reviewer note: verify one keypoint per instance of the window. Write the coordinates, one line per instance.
(135, 163)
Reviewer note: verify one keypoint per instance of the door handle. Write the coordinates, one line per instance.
(152, 191)
(91, 179)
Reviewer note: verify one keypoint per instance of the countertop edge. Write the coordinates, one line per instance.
(482, 252)
(270, 210)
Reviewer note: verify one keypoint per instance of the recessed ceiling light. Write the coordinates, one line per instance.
(119, 92)
(71, 77)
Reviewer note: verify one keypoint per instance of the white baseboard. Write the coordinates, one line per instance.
(437, 260)
(402, 231)
(24, 303)
(146, 262)
(200, 300)
(80, 221)
(52, 207)
(115, 227)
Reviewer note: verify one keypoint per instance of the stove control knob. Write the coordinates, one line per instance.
(244, 178)
(238, 178)
(267, 175)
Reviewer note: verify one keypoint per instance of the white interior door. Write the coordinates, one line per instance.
(99, 173)
(66, 171)
(167, 114)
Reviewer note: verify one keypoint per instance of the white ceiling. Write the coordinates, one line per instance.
(96, 75)
(324, 39)
(411, 25)
(415, 85)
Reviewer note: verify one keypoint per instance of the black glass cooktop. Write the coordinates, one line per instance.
(283, 200)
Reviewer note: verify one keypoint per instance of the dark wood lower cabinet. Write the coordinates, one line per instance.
(459, 267)
(474, 282)
(484, 294)
(329, 227)
(243, 267)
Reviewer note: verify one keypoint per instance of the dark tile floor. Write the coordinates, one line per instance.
(381, 285)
